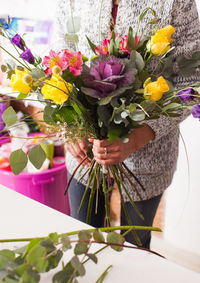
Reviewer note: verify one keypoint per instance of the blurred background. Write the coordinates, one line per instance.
(179, 211)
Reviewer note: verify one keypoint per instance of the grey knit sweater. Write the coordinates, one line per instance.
(154, 164)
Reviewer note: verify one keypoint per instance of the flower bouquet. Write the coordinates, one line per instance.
(106, 97)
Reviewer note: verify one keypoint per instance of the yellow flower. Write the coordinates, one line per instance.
(17, 82)
(56, 89)
(160, 41)
(154, 90)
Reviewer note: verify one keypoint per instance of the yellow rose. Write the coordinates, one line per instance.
(17, 82)
(154, 90)
(160, 41)
(56, 89)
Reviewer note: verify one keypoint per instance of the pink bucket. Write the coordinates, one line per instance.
(46, 187)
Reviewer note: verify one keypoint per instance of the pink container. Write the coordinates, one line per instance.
(46, 187)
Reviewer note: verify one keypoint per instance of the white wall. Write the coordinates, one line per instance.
(182, 214)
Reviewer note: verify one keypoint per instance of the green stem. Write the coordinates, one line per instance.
(103, 229)
(103, 275)
(92, 193)
(124, 206)
(105, 191)
(14, 58)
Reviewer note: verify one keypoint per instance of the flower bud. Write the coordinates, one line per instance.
(56, 70)
(4, 68)
(27, 79)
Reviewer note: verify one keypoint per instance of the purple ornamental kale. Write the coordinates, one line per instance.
(108, 75)
(186, 94)
(28, 56)
(196, 111)
(18, 41)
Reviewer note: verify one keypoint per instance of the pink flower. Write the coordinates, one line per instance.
(54, 59)
(74, 61)
(123, 46)
(105, 45)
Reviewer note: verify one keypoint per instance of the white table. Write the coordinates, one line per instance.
(22, 217)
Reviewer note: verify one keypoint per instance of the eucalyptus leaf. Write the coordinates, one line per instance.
(9, 116)
(115, 238)
(75, 262)
(93, 257)
(84, 235)
(137, 115)
(80, 248)
(37, 258)
(30, 276)
(98, 235)
(37, 73)
(37, 156)
(18, 161)
(6, 256)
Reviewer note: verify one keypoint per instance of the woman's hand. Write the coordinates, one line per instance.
(78, 150)
(110, 153)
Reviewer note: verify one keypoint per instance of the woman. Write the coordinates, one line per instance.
(152, 150)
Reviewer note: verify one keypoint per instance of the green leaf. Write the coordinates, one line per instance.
(131, 39)
(93, 257)
(64, 275)
(148, 105)
(18, 161)
(65, 240)
(114, 133)
(75, 262)
(115, 238)
(32, 244)
(171, 106)
(48, 114)
(21, 96)
(138, 59)
(144, 12)
(30, 276)
(92, 45)
(98, 235)
(36, 258)
(9, 116)
(6, 256)
(137, 115)
(81, 248)
(37, 73)
(66, 114)
(90, 92)
(54, 260)
(84, 235)
(9, 280)
(37, 156)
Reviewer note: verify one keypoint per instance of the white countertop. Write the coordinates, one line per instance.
(22, 217)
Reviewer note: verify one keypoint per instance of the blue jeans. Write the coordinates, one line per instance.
(147, 208)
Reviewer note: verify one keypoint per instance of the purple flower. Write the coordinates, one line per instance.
(108, 76)
(18, 41)
(28, 56)
(196, 111)
(186, 94)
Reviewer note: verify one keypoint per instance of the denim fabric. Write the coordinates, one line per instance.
(147, 208)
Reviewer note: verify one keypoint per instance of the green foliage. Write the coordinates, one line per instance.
(9, 116)
(37, 156)
(91, 44)
(18, 161)
(117, 239)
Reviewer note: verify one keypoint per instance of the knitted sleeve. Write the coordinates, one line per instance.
(186, 40)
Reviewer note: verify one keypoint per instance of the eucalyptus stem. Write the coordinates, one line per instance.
(91, 175)
(103, 229)
(92, 193)
(105, 191)
(124, 207)
(130, 181)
